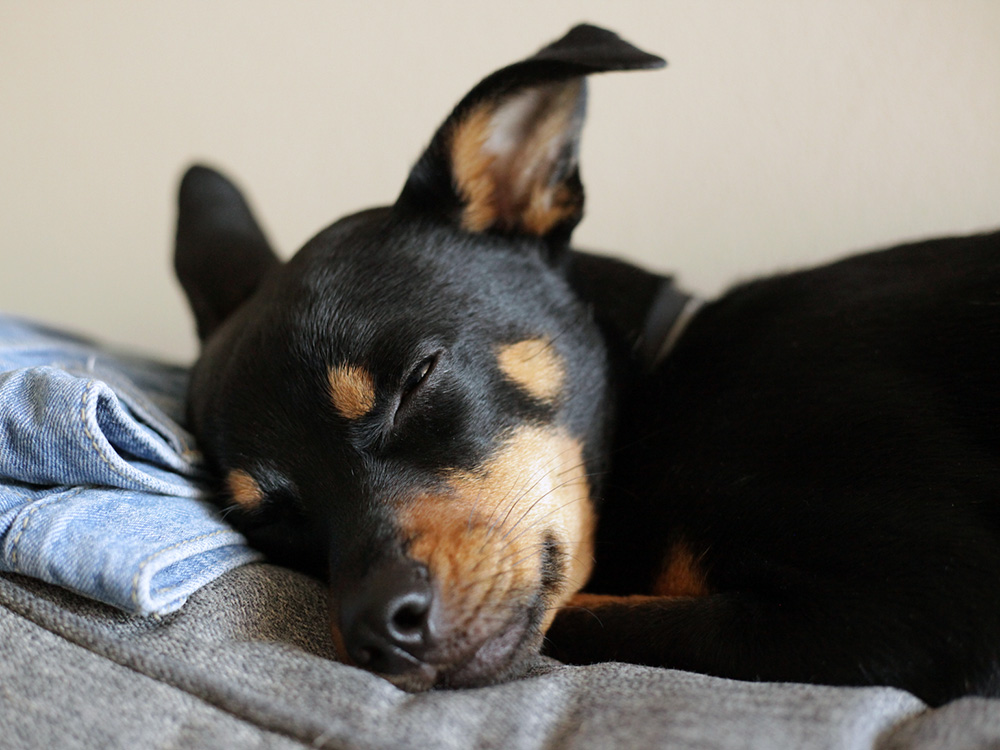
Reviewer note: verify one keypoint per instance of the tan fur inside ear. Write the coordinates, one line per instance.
(472, 170)
(507, 160)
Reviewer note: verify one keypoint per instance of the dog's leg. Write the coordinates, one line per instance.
(744, 636)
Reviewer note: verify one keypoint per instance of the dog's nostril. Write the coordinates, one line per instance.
(409, 618)
(385, 620)
(405, 618)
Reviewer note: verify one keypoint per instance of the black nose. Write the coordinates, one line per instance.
(385, 619)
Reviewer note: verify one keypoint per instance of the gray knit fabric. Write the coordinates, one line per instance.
(248, 663)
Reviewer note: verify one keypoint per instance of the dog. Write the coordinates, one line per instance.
(491, 444)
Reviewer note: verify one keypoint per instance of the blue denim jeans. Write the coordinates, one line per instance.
(101, 488)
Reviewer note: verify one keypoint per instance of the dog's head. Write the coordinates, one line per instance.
(412, 406)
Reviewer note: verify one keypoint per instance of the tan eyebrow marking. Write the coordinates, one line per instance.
(244, 490)
(352, 390)
(535, 367)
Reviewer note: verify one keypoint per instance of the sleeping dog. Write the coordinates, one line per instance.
(462, 423)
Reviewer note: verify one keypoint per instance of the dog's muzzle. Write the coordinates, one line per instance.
(396, 625)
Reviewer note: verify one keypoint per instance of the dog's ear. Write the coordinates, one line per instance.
(220, 254)
(505, 161)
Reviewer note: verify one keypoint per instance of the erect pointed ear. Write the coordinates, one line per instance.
(220, 254)
(506, 160)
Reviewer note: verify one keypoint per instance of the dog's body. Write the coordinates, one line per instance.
(451, 415)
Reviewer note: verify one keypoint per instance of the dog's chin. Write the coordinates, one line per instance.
(501, 657)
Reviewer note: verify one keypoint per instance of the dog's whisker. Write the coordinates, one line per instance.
(515, 499)
(544, 474)
(500, 562)
(550, 491)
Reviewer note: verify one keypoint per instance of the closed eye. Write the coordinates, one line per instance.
(416, 379)
(419, 374)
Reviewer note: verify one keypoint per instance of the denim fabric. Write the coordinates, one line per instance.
(100, 487)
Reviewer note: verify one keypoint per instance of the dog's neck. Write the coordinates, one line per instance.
(641, 314)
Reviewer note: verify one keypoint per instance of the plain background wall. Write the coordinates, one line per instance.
(784, 132)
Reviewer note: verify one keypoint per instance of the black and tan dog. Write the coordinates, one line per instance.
(461, 423)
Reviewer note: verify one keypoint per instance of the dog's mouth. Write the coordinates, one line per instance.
(499, 657)
(482, 566)
(442, 644)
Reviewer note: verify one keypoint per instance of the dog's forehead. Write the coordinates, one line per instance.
(372, 281)
(358, 310)
(414, 254)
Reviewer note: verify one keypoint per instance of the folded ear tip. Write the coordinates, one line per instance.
(602, 48)
(505, 160)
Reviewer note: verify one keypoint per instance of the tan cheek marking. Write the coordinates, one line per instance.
(352, 390)
(682, 573)
(535, 367)
(244, 490)
(482, 539)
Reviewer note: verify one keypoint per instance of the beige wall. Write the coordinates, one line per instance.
(783, 132)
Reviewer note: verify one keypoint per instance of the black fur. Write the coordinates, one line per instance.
(826, 441)
(823, 443)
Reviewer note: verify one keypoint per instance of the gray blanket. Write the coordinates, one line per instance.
(248, 663)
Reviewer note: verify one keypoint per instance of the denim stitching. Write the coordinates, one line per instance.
(93, 441)
(39, 504)
(18, 495)
(151, 557)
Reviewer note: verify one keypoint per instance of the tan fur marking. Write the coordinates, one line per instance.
(547, 203)
(352, 390)
(596, 601)
(682, 573)
(548, 208)
(471, 167)
(482, 539)
(244, 490)
(535, 367)
(508, 183)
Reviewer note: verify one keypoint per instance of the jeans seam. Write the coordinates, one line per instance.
(149, 558)
(38, 505)
(93, 441)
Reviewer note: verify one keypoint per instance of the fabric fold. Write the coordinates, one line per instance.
(101, 488)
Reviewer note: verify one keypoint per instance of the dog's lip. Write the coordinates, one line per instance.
(494, 658)
(489, 661)
(421, 678)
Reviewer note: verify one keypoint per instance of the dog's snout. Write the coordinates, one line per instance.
(386, 620)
